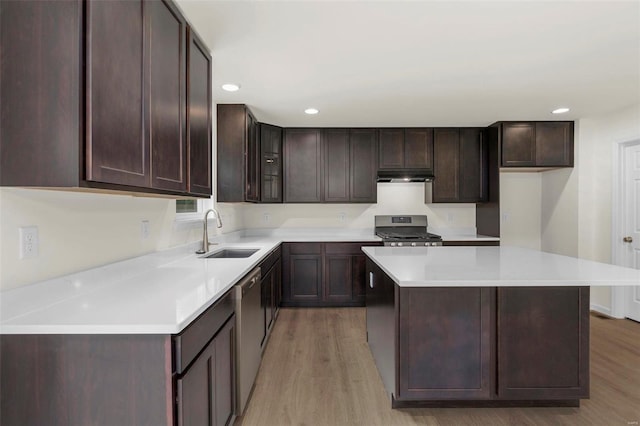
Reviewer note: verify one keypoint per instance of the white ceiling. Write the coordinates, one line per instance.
(418, 63)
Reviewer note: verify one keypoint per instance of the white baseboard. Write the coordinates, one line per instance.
(601, 309)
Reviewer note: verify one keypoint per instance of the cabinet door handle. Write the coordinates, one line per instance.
(628, 239)
(371, 279)
(270, 160)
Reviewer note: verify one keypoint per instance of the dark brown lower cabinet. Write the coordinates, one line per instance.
(271, 284)
(445, 359)
(543, 342)
(478, 346)
(323, 274)
(105, 379)
(205, 392)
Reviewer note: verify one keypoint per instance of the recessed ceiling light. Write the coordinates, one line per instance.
(311, 111)
(230, 87)
(560, 110)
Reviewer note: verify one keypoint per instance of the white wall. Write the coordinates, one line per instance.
(393, 198)
(520, 209)
(597, 138)
(78, 231)
(559, 211)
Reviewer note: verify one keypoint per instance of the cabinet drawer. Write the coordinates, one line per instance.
(304, 248)
(347, 248)
(188, 344)
(271, 259)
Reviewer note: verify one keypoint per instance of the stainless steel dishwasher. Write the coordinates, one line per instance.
(249, 331)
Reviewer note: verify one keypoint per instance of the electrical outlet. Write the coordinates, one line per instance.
(266, 218)
(144, 229)
(450, 217)
(342, 216)
(505, 217)
(29, 242)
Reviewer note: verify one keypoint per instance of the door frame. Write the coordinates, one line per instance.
(619, 294)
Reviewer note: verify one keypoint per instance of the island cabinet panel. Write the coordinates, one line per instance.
(381, 318)
(445, 337)
(543, 342)
(323, 274)
(302, 166)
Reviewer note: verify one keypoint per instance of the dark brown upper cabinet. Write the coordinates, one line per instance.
(336, 165)
(363, 160)
(237, 141)
(303, 166)
(460, 165)
(330, 165)
(199, 126)
(410, 148)
(271, 163)
(537, 144)
(128, 60)
(252, 160)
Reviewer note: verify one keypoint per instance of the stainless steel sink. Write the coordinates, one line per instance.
(231, 254)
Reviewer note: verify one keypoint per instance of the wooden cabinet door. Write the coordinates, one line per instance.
(205, 391)
(302, 275)
(440, 358)
(277, 287)
(418, 148)
(391, 149)
(363, 162)
(231, 126)
(266, 302)
(543, 342)
(117, 145)
(41, 84)
(358, 278)
(518, 144)
(337, 278)
(554, 143)
(336, 165)
(252, 166)
(271, 167)
(446, 150)
(473, 166)
(167, 96)
(302, 166)
(199, 116)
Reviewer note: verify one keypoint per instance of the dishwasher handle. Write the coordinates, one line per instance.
(250, 280)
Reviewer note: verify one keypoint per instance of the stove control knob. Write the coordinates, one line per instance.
(426, 244)
(413, 244)
(399, 244)
(393, 244)
(434, 244)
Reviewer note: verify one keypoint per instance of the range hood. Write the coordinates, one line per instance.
(407, 175)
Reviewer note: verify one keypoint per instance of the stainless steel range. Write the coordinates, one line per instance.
(405, 231)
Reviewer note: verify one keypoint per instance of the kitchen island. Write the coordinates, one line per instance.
(482, 326)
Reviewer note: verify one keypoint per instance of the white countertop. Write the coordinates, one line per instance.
(494, 267)
(159, 293)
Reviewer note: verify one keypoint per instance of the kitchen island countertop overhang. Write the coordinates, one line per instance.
(501, 266)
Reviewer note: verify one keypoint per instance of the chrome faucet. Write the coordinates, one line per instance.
(205, 235)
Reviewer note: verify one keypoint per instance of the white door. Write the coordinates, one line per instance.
(631, 205)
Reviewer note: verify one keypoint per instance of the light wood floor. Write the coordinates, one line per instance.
(317, 370)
